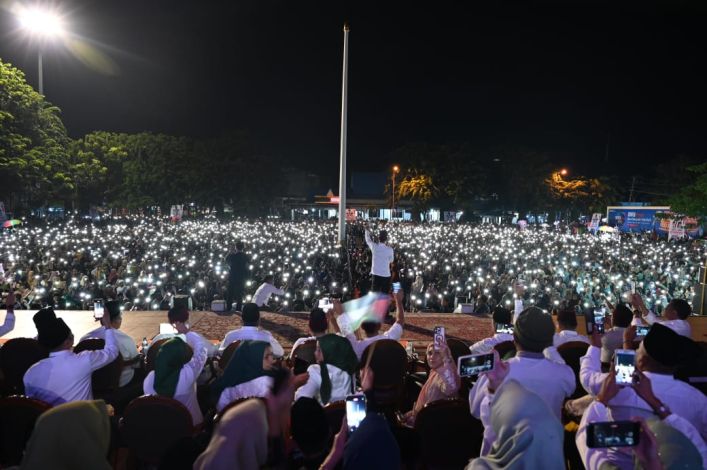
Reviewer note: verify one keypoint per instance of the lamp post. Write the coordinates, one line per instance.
(43, 25)
(396, 170)
(342, 148)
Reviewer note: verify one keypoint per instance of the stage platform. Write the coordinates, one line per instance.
(286, 327)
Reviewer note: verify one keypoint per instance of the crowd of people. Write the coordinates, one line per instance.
(145, 262)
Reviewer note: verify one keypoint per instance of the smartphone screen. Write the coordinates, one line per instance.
(355, 411)
(504, 328)
(625, 365)
(642, 330)
(613, 434)
(473, 365)
(98, 308)
(396, 287)
(599, 315)
(439, 338)
(325, 304)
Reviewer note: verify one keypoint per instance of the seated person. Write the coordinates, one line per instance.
(330, 379)
(248, 374)
(318, 325)
(674, 316)
(528, 435)
(251, 435)
(613, 339)
(551, 381)
(126, 345)
(180, 314)
(500, 316)
(371, 328)
(251, 331)
(65, 376)
(311, 433)
(443, 381)
(177, 368)
(657, 357)
(666, 439)
(567, 329)
(264, 291)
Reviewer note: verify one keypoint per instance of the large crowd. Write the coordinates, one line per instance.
(145, 262)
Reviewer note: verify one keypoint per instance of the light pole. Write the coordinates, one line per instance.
(396, 170)
(40, 24)
(342, 148)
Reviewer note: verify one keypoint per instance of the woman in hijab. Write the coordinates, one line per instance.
(330, 379)
(246, 375)
(528, 435)
(70, 436)
(443, 381)
(177, 368)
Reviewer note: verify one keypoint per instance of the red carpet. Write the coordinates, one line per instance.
(290, 326)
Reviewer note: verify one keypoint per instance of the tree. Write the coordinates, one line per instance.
(419, 188)
(691, 199)
(33, 141)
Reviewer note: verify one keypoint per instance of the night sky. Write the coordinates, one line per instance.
(557, 76)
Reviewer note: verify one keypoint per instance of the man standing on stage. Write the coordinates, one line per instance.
(381, 257)
(238, 264)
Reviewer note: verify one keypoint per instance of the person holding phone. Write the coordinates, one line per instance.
(666, 440)
(443, 381)
(674, 316)
(381, 257)
(500, 316)
(656, 359)
(371, 328)
(65, 376)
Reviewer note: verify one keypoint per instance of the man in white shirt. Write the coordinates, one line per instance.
(251, 330)
(180, 314)
(501, 316)
(318, 325)
(126, 345)
(266, 289)
(381, 257)
(553, 382)
(674, 315)
(567, 329)
(657, 356)
(371, 328)
(64, 376)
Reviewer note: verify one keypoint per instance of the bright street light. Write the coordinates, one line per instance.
(43, 24)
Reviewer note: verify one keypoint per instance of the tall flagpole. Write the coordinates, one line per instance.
(342, 154)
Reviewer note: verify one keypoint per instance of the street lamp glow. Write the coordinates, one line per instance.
(396, 168)
(563, 172)
(40, 22)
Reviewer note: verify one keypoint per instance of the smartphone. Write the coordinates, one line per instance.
(355, 411)
(625, 365)
(642, 330)
(439, 338)
(396, 287)
(599, 315)
(504, 328)
(613, 434)
(473, 365)
(97, 308)
(632, 286)
(325, 304)
(590, 323)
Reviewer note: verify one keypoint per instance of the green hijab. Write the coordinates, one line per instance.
(528, 435)
(171, 357)
(53, 443)
(245, 365)
(338, 352)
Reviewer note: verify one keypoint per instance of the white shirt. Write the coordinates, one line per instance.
(211, 349)
(258, 387)
(486, 345)
(681, 327)
(682, 399)
(186, 384)
(359, 345)
(340, 384)
(262, 295)
(381, 257)
(611, 341)
(300, 341)
(549, 380)
(127, 349)
(8, 325)
(252, 333)
(64, 376)
(594, 458)
(565, 336)
(517, 308)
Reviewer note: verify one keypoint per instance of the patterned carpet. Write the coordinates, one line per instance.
(292, 325)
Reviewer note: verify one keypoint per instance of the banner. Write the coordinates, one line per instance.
(650, 219)
(176, 212)
(677, 229)
(594, 224)
(351, 215)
